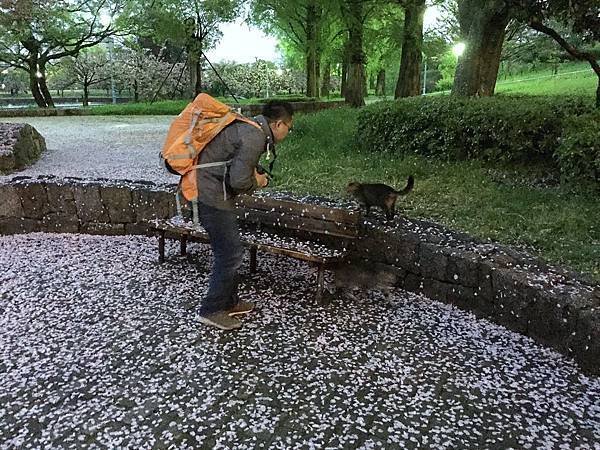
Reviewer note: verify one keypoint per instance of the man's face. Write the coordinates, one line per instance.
(281, 128)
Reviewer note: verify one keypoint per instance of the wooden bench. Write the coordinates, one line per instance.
(320, 235)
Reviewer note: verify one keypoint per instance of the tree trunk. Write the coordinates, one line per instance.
(35, 89)
(409, 78)
(355, 90)
(33, 81)
(313, 16)
(193, 67)
(326, 86)
(380, 84)
(483, 31)
(86, 94)
(318, 73)
(344, 75)
(136, 94)
(44, 87)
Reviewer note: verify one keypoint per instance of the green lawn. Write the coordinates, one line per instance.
(574, 79)
(559, 223)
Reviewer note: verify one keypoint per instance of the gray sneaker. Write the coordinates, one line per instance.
(221, 320)
(241, 308)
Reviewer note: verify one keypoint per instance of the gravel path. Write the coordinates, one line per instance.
(115, 147)
(97, 352)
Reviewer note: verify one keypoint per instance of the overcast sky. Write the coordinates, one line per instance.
(243, 44)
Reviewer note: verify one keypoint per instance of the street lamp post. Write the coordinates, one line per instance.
(424, 74)
(111, 44)
(267, 70)
(106, 19)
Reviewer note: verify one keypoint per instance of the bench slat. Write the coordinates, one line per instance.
(268, 242)
(278, 207)
(300, 223)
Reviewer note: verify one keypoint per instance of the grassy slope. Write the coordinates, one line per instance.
(576, 79)
(560, 223)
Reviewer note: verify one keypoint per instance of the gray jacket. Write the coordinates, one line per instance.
(241, 143)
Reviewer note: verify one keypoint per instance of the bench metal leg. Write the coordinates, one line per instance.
(252, 259)
(320, 283)
(161, 247)
(183, 245)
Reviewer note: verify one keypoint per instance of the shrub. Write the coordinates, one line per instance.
(507, 129)
(578, 154)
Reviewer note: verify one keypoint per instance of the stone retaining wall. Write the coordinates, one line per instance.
(551, 305)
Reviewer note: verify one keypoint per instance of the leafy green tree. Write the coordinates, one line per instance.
(447, 68)
(191, 25)
(482, 29)
(14, 81)
(582, 16)
(60, 77)
(409, 79)
(355, 15)
(91, 67)
(258, 79)
(36, 33)
(146, 75)
(383, 43)
(303, 25)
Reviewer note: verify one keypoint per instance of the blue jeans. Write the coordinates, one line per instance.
(224, 234)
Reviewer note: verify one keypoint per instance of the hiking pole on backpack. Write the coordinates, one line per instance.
(221, 79)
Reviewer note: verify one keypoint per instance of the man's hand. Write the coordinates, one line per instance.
(261, 179)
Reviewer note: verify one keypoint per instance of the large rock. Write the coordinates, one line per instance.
(20, 145)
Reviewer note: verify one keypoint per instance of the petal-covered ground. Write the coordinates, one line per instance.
(113, 147)
(96, 351)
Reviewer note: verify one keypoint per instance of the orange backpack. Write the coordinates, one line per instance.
(188, 135)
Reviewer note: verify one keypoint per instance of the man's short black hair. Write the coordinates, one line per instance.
(278, 110)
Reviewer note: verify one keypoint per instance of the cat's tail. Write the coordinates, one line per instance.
(409, 185)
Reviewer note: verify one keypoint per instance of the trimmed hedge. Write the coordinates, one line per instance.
(578, 154)
(560, 130)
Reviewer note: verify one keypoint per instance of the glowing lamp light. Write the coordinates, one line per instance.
(459, 48)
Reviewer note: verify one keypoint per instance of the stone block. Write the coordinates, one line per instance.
(20, 145)
(89, 204)
(433, 261)
(405, 253)
(463, 269)
(107, 229)
(436, 290)
(60, 223)
(61, 199)
(461, 296)
(413, 283)
(584, 340)
(8, 161)
(34, 199)
(14, 225)
(547, 321)
(10, 201)
(484, 281)
(118, 202)
(150, 205)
